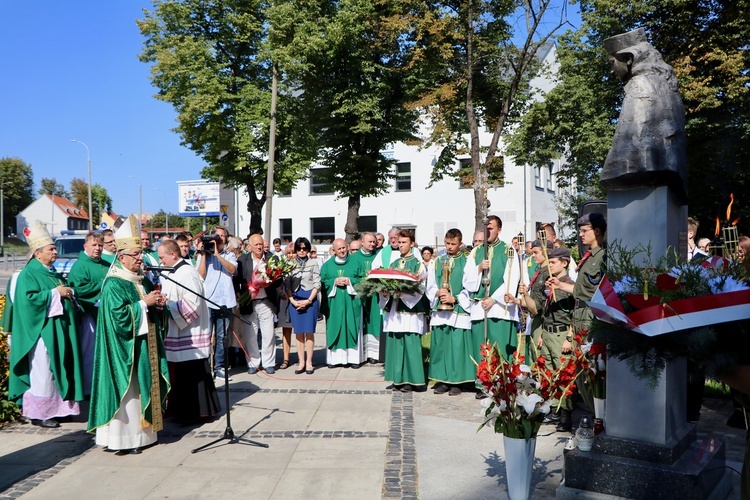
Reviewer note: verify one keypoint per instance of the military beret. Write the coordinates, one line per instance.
(560, 253)
(595, 220)
(538, 244)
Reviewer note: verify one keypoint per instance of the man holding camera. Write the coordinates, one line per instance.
(217, 266)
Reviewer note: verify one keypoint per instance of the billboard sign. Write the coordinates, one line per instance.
(198, 198)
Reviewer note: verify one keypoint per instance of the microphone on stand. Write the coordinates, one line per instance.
(159, 269)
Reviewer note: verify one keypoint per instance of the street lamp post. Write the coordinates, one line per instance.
(140, 197)
(166, 211)
(88, 168)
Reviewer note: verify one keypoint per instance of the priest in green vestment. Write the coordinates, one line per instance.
(109, 249)
(45, 354)
(86, 278)
(488, 303)
(343, 313)
(372, 316)
(404, 323)
(451, 342)
(126, 403)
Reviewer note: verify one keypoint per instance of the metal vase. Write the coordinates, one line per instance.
(519, 458)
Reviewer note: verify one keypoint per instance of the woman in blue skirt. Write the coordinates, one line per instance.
(302, 288)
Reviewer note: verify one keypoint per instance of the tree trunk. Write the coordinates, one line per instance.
(351, 228)
(479, 197)
(255, 207)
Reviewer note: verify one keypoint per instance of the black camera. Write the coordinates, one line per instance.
(209, 242)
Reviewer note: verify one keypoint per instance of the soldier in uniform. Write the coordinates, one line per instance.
(536, 288)
(556, 340)
(592, 228)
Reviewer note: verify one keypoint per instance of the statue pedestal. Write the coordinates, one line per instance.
(648, 449)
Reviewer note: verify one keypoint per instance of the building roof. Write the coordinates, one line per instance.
(67, 206)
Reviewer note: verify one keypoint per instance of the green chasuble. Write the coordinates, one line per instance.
(451, 348)
(109, 258)
(86, 277)
(344, 310)
(120, 350)
(404, 363)
(499, 331)
(372, 321)
(498, 257)
(411, 265)
(30, 323)
(456, 265)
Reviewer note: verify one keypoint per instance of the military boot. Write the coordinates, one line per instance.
(565, 424)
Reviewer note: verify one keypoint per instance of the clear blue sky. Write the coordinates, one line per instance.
(70, 71)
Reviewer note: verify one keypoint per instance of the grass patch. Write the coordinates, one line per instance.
(716, 389)
(15, 245)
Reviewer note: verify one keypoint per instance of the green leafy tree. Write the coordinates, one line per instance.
(17, 181)
(100, 199)
(175, 221)
(350, 64)
(51, 186)
(482, 55)
(706, 43)
(210, 61)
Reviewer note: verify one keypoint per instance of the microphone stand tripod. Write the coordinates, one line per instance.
(223, 315)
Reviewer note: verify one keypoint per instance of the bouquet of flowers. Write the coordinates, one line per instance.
(592, 358)
(276, 268)
(520, 395)
(391, 281)
(651, 314)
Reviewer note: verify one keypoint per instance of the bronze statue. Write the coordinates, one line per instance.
(648, 148)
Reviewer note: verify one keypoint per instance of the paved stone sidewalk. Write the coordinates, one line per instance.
(336, 434)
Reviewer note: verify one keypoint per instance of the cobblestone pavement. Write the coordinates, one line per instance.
(336, 434)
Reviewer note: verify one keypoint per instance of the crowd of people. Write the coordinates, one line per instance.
(145, 333)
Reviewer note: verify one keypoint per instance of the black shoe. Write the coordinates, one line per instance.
(552, 418)
(49, 423)
(372, 361)
(455, 391)
(405, 388)
(480, 395)
(441, 388)
(566, 422)
(354, 366)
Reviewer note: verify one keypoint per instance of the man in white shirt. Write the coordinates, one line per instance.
(217, 269)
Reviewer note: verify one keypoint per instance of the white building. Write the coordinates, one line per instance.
(56, 213)
(311, 210)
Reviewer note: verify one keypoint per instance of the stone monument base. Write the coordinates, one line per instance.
(625, 468)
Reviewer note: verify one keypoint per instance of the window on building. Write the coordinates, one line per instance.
(317, 183)
(550, 187)
(403, 176)
(76, 224)
(466, 177)
(285, 230)
(367, 223)
(538, 178)
(322, 230)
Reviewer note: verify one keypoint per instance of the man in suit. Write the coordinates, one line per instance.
(259, 312)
